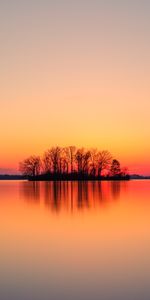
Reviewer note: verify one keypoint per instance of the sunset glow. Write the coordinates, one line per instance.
(75, 73)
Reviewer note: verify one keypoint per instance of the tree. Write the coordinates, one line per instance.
(54, 157)
(47, 162)
(79, 159)
(72, 163)
(70, 156)
(93, 162)
(31, 166)
(85, 163)
(82, 158)
(115, 168)
(103, 161)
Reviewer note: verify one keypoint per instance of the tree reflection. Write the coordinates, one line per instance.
(30, 191)
(115, 189)
(71, 196)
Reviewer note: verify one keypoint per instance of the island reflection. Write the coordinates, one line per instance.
(71, 196)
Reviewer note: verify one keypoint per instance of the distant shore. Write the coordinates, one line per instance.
(73, 178)
(52, 177)
(13, 177)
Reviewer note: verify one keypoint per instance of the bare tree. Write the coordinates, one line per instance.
(55, 154)
(104, 159)
(47, 162)
(85, 163)
(79, 159)
(93, 162)
(82, 158)
(65, 165)
(115, 168)
(70, 156)
(30, 166)
(72, 162)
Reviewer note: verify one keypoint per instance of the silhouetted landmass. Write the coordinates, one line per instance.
(71, 163)
(136, 176)
(13, 177)
(75, 177)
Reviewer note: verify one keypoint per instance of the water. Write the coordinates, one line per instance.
(75, 240)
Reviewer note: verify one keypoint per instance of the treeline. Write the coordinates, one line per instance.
(74, 164)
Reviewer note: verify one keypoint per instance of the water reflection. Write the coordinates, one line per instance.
(71, 196)
(75, 240)
(31, 192)
(115, 189)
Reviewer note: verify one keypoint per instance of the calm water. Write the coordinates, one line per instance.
(72, 241)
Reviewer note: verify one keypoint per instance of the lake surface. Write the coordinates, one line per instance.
(75, 240)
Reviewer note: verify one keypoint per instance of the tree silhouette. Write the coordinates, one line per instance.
(115, 168)
(53, 156)
(70, 156)
(82, 158)
(93, 162)
(47, 162)
(31, 166)
(73, 163)
(104, 159)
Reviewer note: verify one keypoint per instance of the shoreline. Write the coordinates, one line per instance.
(47, 178)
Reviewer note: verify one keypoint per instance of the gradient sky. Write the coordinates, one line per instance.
(75, 72)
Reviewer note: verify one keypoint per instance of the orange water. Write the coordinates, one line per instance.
(75, 240)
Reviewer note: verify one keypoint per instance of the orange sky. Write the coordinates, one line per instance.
(75, 73)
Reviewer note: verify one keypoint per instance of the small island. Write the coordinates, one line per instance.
(72, 163)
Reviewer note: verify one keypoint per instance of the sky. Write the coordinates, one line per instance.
(75, 73)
